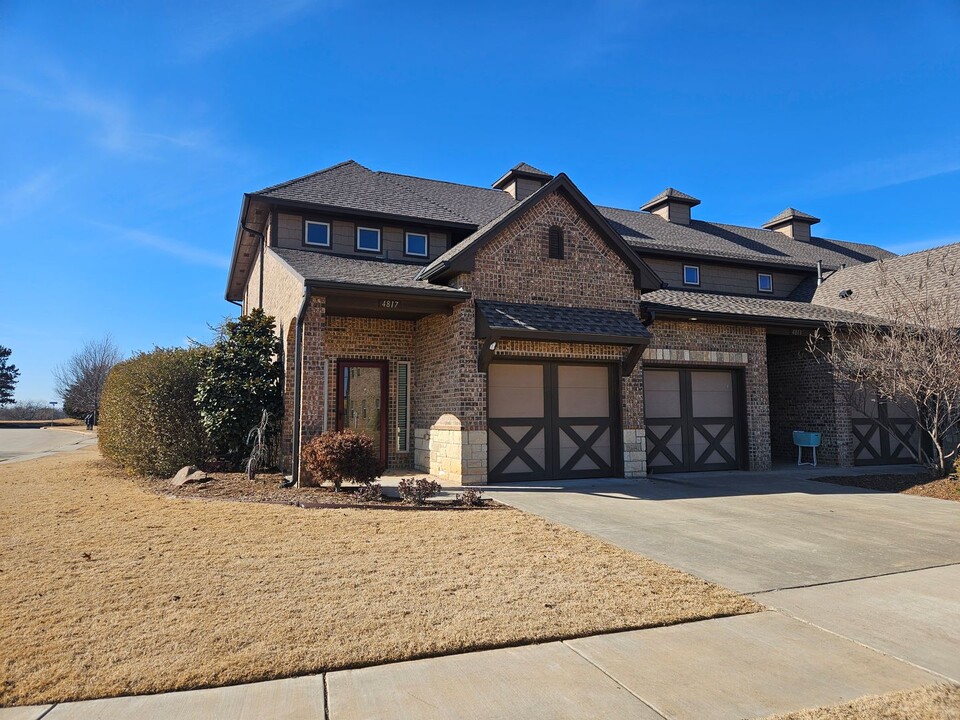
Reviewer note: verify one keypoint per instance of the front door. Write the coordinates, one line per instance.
(362, 400)
(551, 421)
(692, 420)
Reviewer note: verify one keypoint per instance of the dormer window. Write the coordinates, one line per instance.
(416, 244)
(368, 239)
(555, 242)
(691, 275)
(317, 233)
(765, 282)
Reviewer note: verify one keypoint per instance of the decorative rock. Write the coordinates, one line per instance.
(189, 474)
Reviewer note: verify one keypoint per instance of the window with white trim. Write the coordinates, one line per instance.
(764, 282)
(403, 407)
(417, 244)
(368, 239)
(691, 275)
(316, 233)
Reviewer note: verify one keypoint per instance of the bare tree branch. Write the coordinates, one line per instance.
(79, 382)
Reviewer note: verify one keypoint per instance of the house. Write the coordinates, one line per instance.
(520, 332)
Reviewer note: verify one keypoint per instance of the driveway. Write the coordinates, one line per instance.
(879, 568)
(19, 444)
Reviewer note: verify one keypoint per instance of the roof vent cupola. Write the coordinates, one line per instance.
(792, 223)
(672, 205)
(522, 181)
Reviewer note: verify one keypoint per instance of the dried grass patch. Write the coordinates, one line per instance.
(935, 702)
(108, 589)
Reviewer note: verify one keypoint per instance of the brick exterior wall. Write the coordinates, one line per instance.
(804, 396)
(450, 420)
(698, 344)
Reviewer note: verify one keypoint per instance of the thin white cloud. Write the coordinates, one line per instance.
(220, 25)
(111, 123)
(166, 245)
(886, 172)
(29, 193)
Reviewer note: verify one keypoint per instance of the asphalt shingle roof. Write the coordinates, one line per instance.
(672, 194)
(340, 269)
(530, 169)
(789, 213)
(351, 186)
(879, 288)
(735, 242)
(553, 319)
(748, 307)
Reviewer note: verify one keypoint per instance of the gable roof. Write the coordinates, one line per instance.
(878, 287)
(460, 257)
(543, 321)
(351, 186)
(713, 241)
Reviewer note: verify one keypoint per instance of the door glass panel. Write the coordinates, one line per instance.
(582, 391)
(515, 390)
(712, 394)
(361, 400)
(661, 393)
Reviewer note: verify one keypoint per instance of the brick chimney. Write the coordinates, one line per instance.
(792, 223)
(672, 205)
(522, 181)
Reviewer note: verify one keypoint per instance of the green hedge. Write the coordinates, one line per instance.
(149, 422)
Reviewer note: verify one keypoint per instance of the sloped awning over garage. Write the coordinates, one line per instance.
(553, 323)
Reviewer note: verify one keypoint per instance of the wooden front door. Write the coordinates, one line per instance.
(551, 421)
(692, 419)
(362, 400)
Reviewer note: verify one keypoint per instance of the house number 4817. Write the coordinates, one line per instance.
(389, 303)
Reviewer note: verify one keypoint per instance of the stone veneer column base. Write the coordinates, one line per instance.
(634, 453)
(454, 455)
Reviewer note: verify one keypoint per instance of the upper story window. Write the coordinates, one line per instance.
(416, 244)
(368, 239)
(691, 275)
(555, 242)
(765, 282)
(317, 233)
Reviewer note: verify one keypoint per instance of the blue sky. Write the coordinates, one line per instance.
(130, 130)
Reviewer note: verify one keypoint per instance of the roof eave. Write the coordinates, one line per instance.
(454, 296)
(672, 311)
(236, 248)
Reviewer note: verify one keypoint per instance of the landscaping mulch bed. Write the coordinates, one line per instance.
(266, 488)
(912, 484)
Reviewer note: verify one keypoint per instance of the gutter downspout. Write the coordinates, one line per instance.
(297, 377)
(263, 242)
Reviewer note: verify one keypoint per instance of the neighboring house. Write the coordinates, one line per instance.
(520, 332)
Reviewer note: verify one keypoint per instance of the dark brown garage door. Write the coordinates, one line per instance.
(551, 420)
(692, 419)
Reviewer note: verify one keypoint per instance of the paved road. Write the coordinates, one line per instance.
(17, 444)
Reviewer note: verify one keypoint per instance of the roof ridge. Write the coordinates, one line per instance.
(442, 182)
(285, 183)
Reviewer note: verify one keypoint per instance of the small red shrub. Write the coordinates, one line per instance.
(339, 457)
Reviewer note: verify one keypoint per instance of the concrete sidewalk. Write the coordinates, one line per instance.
(22, 444)
(737, 667)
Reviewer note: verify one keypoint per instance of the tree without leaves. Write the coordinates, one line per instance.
(80, 381)
(910, 358)
(8, 376)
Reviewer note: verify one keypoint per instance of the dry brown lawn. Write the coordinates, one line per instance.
(935, 702)
(108, 589)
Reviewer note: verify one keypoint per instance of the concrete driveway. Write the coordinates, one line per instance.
(19, 444)
(879, 568)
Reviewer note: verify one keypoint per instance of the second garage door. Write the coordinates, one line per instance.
(551, 420)
(692, 419)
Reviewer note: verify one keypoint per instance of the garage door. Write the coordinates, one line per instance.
(883, 433)
(550, 420)
(692, 419)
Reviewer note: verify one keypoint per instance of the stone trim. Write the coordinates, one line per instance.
(698, 357)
